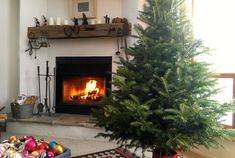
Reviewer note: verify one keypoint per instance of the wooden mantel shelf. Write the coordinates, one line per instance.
(81, 31)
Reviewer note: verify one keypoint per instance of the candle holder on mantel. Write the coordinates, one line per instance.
(47, 99)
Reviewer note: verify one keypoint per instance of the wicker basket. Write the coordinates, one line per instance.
(22, 111)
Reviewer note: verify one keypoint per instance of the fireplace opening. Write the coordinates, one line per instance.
(84, 90)
(81, 83)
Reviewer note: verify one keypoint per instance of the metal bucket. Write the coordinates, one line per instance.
(22, 111)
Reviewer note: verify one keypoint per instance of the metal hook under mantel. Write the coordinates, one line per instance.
(37, 43)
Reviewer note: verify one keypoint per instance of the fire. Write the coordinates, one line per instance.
(90, 89)
(90, 92)
(73, 92)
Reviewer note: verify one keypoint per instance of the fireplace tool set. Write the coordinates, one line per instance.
(47, 100)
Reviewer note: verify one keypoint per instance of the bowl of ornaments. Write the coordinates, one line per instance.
(30, 147)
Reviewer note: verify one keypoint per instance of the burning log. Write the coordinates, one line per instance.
(91, 97)
(91, 93)
(94, 92)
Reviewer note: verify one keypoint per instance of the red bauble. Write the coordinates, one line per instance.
(171, 154)
(43, 146)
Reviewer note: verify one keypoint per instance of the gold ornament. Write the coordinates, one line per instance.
(35, 153)
(13, 139)
(58, 149)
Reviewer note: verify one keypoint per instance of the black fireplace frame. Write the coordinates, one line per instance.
(99, 66)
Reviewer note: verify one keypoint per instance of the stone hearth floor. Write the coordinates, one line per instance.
(78, 135)
(58, 119)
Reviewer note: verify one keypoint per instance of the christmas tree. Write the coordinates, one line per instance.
(164, 96)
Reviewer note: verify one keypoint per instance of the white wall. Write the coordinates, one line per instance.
(87, 46)
(9, 51)
(130, 11)
(65, 47)
(28, 66)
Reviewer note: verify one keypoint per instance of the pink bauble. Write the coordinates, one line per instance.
(1, 153)
(31, 145)
(50, 154)
(25, 153)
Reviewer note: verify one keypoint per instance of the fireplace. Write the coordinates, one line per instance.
(81, 83)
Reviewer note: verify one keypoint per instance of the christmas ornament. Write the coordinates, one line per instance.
(25, 153)
(9, 152)
(1, 153)
(58, 149)
(43, 146)
(52, 144)
(16, 155)
(17, 144)
(42, 154)
(27, 138)
(31, 156)
(7, 145)
(31, 145)
(13, 139)
(50, 154)
(2, 148)
(21, 148)
(35, 153)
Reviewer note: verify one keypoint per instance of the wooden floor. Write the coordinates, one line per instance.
(194, 155)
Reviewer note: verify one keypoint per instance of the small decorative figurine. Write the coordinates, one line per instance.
(84, 19)
(37, 23)
(107, 19)
(75, 20)
(44, 21)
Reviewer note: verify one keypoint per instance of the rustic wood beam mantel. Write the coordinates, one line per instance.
(81, 31)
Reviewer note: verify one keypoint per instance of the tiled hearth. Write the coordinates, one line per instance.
(58, 119)
(59, 125)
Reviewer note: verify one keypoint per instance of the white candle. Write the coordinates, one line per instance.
(93, 21)
(58, 21)
(99, 21)
(66, 22)
(51, 21)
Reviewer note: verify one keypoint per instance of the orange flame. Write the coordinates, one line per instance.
(90, 88)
